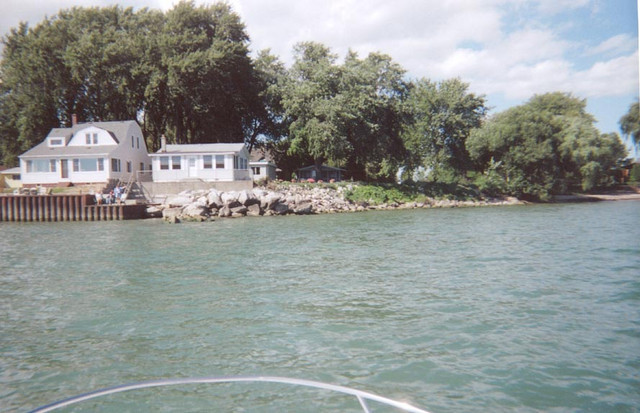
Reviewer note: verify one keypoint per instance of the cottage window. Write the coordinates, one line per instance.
(55, 142)
(41, 165)
(207, 161)
(175, 162)
(87, 138)
(132, 142)
(115, 165)
(95, 138)
(219, 161)
(164, 162)
(129, 166)
(142, 166)
(76, 165)
(138, 142)
(255, 170)
(235, 162)
(101, 164)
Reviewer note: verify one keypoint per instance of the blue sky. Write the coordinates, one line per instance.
(507, 50)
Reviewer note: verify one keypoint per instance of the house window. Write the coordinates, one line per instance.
(129, 166)
(255, 170)
(142, 166)
(95, 138)
(115, 165)
(41, 165)
(55, 142)
(175, 162)
(164, 162)
(132, 142)
(219, 161)
(87, 138)
(138, 142)
(235, 162)
(88, 165)
(207, 161)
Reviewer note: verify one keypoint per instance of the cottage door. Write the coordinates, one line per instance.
(64, 169)
(193, 171)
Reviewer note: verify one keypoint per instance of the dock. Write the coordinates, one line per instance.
(58, 207)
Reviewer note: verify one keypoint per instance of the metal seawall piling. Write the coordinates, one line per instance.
(53, 208)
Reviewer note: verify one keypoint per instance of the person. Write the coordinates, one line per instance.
(116, 192)
(98, 198)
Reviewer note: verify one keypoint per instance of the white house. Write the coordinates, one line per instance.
(261, 165)
(94, 152)
(204, 162)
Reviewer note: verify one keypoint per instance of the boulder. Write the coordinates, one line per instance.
(171, 214)
(247, 198)
(304, 208)
(154, 212)
(239, 210)
(213, 199)
(195, 210)
(253, 210)
(281, 209)
(225, 211)
(174, 201)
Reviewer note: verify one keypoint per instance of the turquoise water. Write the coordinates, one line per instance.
(523, 309)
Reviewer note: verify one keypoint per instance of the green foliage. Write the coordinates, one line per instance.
(348, 115)
(630, 124)
(548, 145)
(441, 117)
(634, 174)
(377, 194)
(112, 64)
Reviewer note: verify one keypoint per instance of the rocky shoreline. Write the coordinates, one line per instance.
(206, 205)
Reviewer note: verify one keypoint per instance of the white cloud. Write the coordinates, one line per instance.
(621, 43)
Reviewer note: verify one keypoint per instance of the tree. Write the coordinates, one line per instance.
(546, 146)
(630, 124)
(442, 117)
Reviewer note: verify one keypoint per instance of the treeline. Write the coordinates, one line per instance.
(187, 73)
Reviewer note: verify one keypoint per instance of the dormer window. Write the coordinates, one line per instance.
(91, 138)
(56, 142)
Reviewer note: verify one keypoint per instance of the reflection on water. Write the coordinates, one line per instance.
(522, 308)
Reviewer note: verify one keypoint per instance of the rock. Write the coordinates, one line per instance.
(195, 210)
(154, 212)
(171, 214)
(213, 199)
(271, 201)
(247, 198)
(230, 199)
(241, 210)
(281, 209)
(304, 208)
(225, 211)
(174, 201)
(253, 210)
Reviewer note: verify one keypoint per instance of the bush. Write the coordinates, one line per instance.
(634, 174)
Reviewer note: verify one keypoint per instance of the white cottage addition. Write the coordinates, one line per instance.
(205, 162)
(95, 152)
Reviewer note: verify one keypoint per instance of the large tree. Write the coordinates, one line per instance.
(630, 124)
(442, 117)
(186, 73)
(349, 114)
(546, 146)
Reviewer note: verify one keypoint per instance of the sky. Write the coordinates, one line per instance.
(507, 50)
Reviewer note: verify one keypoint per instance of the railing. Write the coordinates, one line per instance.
(362, 396)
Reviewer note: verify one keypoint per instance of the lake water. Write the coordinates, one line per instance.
(525, 309)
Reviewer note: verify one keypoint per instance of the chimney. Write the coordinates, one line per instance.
(74, 119)
(163, 143)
